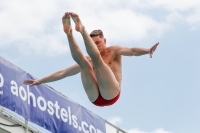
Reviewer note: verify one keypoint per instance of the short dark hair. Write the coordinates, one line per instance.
(97, 33)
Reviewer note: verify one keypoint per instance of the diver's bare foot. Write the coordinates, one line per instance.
(78, 25)
(66, 23)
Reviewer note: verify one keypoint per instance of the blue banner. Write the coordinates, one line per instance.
(44, 106)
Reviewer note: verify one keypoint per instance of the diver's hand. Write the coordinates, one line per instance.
(32, 82)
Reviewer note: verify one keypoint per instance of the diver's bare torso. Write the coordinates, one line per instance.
(113, 61)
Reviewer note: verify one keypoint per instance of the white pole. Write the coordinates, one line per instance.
(26, 125)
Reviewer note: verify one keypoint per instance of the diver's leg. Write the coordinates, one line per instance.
(87, 74)
(107, 82)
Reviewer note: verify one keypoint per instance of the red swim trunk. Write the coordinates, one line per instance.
(100, 101)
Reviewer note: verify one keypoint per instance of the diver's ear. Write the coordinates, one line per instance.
(104, 39)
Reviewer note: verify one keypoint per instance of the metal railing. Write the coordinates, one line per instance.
(20, 122)
(110, 128)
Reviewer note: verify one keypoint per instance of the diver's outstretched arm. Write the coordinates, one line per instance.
(55, 76)
(136, 51)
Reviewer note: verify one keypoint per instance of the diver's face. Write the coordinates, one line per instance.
(100, 43)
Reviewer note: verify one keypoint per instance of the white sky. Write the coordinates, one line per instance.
(159, 95)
